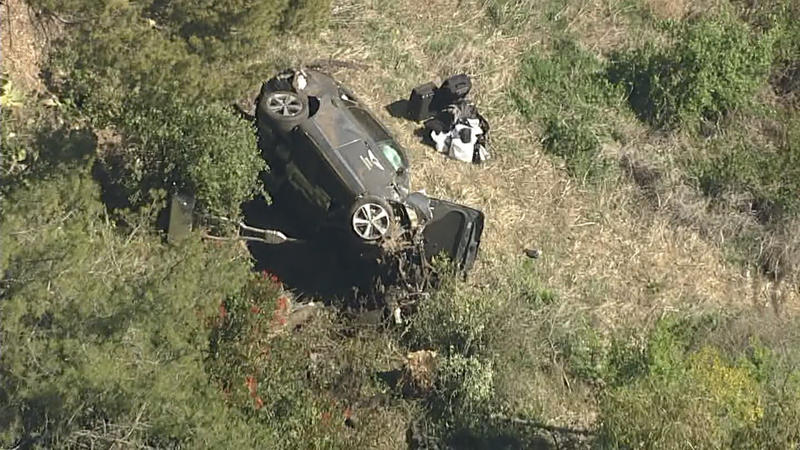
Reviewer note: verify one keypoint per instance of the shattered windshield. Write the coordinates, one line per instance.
(389, 150)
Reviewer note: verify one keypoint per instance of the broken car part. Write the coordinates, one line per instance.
(181, 218)
(454, 231)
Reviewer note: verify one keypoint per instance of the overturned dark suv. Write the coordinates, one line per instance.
(338, 169)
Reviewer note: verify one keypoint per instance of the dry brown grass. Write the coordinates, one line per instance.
(680, 9)
(23, 42)
(602, 25)
(607, 250)
(669, 9)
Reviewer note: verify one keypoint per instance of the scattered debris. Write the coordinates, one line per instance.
(421, 369)
(533, 253)
(349, 418)
(453, 124)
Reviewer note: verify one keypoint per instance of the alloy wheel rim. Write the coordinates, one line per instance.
(286, 105)
(371, 221)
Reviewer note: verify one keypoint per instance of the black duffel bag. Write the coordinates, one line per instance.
(452, 90)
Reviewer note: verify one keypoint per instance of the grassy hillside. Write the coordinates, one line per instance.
(649, 148)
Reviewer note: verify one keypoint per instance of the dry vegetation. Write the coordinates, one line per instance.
(605, 247)
(22, 44)
(622, 254)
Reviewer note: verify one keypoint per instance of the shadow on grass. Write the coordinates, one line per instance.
(398, 109)
(322, 267)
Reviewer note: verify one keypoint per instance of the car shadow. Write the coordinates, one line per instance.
(399, 110)
(311, 266)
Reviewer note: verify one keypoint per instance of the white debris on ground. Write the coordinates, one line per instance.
(461, 142)
(453, 124)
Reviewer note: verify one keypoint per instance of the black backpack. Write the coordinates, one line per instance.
(452, 90)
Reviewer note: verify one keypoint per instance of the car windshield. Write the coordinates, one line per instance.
(390, 151)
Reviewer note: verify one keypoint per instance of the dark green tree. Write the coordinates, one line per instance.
(104, 330)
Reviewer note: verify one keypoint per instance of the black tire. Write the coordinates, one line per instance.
(282, 110)
(371, 218)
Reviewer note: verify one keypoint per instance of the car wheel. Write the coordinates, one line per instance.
(284, 109)
(371, 218)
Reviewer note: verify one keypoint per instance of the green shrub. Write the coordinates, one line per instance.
(585, 352)
(155, 73)
(568, 94)
(783, 19)
(603, 361)
(15, 148)
(305, 16)
(491, 342)
(568, 82)
(779, 426)
(299, 384)
(573, 140)
(465, 385)
(103, 332)
(457, 318)
(706, 404)
(511, 15)
(689, 392)
(177, 146)
(713, 67)
(115, 338)
(770, 174)
(210, 50)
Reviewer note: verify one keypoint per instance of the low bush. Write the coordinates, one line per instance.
(577, 143)
(305, 16)
(15, 148)
(783, 19)
(302, 384)
(510, 15)
(690, 392)
(713, 66)
(464, 390)
(491, 343)
(568, 82)
(568, 94)
(707, 402)
(768, 174)
(190, 147)
(458, 319)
